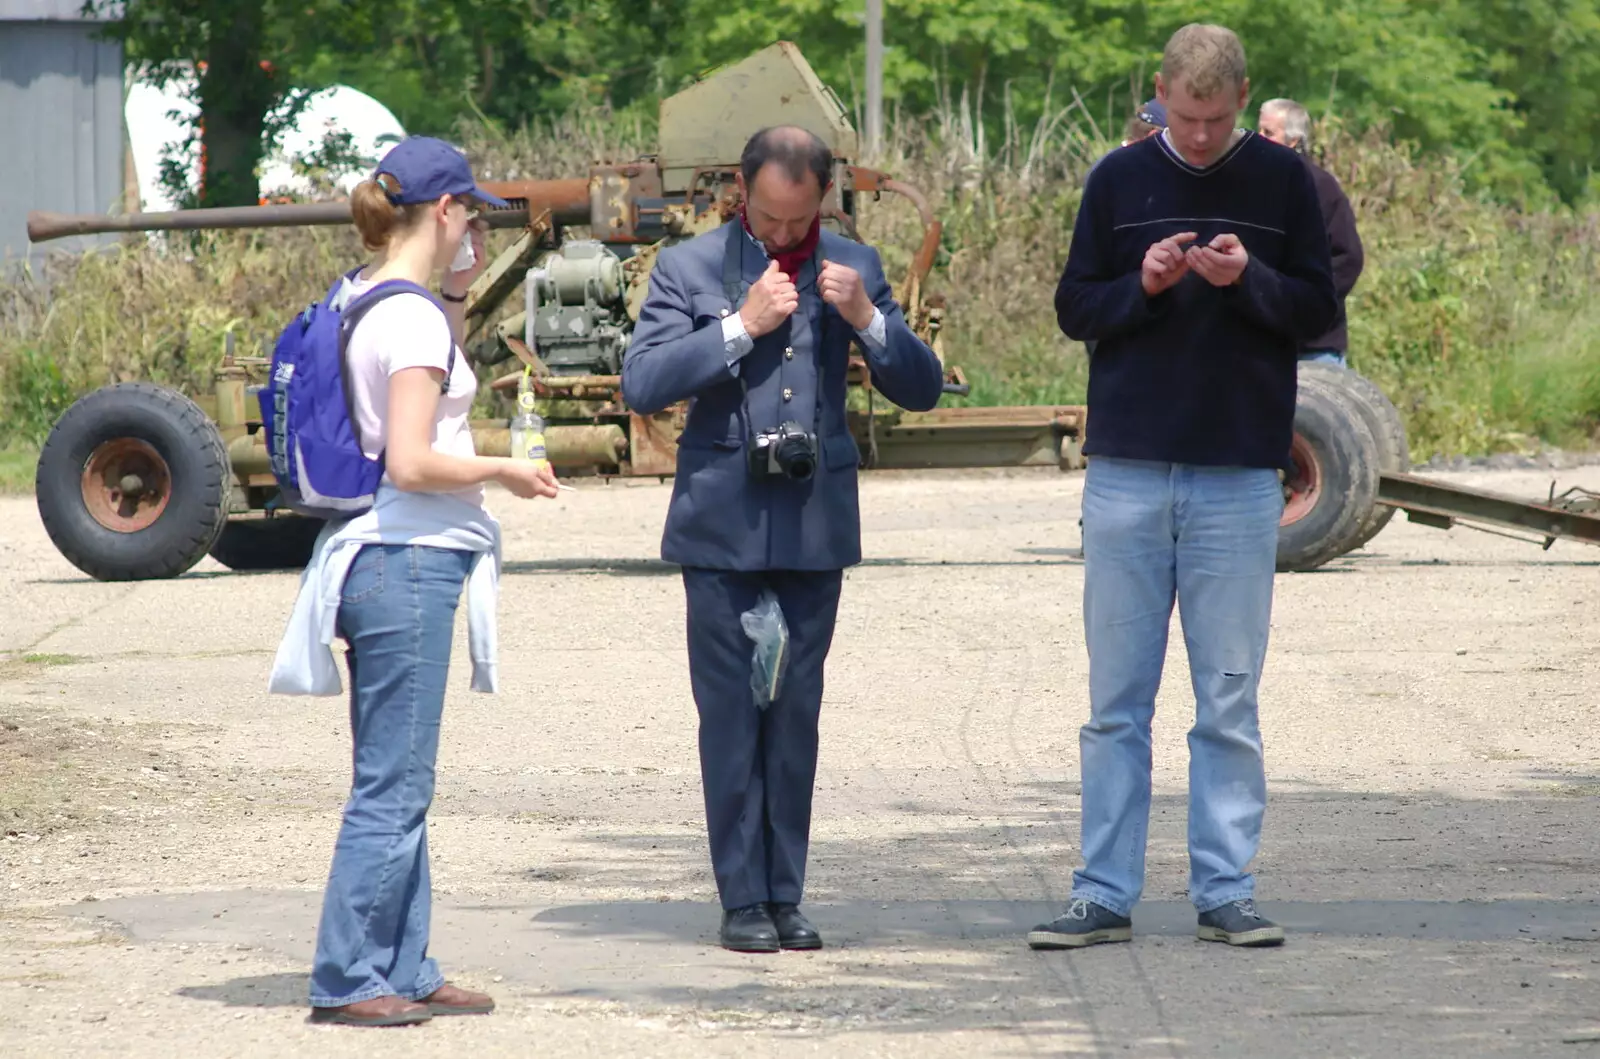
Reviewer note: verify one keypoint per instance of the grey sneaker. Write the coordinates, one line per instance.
(1084, 923)
(1238, 923)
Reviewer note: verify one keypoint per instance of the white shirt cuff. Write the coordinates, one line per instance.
(876, 333)
(736, 341)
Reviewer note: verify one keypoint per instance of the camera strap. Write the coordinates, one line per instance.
(736, 289)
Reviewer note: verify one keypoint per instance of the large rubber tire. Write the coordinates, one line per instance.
(281, 543)
(1383, 419)
(1335, 485)
(166, 521)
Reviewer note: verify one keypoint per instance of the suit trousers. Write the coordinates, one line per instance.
(757, 767)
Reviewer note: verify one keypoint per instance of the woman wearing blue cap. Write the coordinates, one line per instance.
(389, 580)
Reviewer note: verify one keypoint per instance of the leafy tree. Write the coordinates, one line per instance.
(1511, 88)
(1545, 56)
(1392, 61)
(510, 60)
(247, 57)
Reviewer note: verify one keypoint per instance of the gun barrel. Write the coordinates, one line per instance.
(567, 201)
(43, 225)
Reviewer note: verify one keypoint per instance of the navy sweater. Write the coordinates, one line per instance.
(1198, 374)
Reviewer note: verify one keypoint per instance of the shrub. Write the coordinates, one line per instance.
(1479, 321)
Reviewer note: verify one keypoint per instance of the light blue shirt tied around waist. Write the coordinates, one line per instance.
(305, 664)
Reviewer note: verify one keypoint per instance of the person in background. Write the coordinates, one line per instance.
(1148, 120)
(1285, 122)
(389, 580)
(1199, 264)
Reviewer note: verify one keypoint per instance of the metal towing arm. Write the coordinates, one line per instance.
(1572, 515)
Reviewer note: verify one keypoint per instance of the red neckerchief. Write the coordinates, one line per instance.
(791, 261)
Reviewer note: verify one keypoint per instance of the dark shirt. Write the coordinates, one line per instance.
(1197, 374)
(1345, 246)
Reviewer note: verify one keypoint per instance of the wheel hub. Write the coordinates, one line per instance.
(126, 485)
(1303, 486)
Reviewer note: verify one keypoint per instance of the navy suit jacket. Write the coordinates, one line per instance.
(721, 517)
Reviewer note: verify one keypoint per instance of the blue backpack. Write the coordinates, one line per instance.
(307, 413)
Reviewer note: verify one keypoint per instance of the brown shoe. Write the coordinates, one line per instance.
(379, 1011)
(453, 1000)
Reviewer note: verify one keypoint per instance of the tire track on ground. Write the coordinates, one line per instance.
(78, 619)
(1048, 972)
(889, 793)
(1147, 985)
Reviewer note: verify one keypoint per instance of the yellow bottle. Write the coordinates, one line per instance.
(527, 432)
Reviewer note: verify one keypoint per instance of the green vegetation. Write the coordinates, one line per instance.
(1478, 318)
(1510, 89)
(16, 469)
(156, 310)
(1462, 129)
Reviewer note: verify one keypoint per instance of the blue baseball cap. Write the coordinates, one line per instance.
(427, 169)
(1153, 113)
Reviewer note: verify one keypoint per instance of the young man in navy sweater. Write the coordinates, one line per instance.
(1199, 262)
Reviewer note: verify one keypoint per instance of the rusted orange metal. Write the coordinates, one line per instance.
(567, 200)
(620, 196)
(653, 443)
(126, 485)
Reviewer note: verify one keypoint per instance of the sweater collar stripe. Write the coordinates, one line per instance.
(1167, 148)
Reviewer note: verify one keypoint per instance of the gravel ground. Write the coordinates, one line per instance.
(1429, 709)
(1550, 459)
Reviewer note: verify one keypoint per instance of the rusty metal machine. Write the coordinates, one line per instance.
(139, 482)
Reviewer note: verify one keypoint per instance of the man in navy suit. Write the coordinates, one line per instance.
(753, 324)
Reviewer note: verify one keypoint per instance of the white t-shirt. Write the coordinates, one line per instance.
(407, 331)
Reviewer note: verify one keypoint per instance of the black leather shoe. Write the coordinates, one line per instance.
(794, 930)
(749, 929)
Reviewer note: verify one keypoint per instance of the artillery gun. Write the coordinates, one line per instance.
(139, 482)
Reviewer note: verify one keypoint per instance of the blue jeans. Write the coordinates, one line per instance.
(1207, 537)
(1324, 356)
(397, 612)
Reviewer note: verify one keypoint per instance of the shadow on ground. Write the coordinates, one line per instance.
(1030, 557)
(257, 991)
(658, 568)
(1476, 935)
(1357, 978)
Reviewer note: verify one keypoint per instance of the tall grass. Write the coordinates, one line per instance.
(1480, 322)
(158, 309)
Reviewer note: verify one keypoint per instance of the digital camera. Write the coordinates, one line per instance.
(787, 452)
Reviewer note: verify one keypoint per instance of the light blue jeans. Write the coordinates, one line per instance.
(1206, 537)
(1324, 356)
(397, 612)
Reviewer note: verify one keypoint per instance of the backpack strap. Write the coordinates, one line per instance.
(358, 306)
(338, 285)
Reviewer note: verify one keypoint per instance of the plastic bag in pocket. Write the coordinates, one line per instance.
(764, 624)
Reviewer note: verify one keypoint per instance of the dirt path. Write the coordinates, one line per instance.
(1431, 722)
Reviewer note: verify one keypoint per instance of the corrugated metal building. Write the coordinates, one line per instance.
(61, 123)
